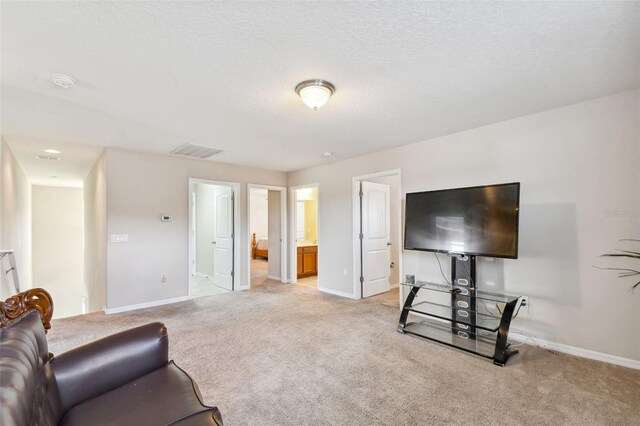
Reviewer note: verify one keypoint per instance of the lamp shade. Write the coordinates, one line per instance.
(315, 93)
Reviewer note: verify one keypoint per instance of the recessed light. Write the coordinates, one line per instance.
(52, 151)
(63, 80)
(327, 154)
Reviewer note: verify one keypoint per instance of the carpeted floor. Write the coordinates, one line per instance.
(290, 355)
(259, 275)
(259, 272)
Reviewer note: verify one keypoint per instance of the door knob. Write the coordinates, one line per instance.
(213, 242)
(388, 244)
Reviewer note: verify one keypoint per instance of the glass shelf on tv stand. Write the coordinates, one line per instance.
(459, 289)
(485, 332)
(481, 320)
(479, 343)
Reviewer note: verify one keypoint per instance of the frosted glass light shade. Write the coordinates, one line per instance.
(315, 96)
(315, 93)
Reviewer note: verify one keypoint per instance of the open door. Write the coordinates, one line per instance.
(223, 238)
(375, 238)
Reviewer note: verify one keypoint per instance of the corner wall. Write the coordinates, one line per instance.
(15, 217)
(579, 167)
(95, 235)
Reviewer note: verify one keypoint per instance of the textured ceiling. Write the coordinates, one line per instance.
(74, 164)
(155, 75)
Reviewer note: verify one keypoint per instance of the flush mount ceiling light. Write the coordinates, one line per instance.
(63, 80)
(315, 93)
(52, 151)
(327, 154)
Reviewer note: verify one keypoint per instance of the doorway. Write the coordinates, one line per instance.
(57, 247)
(267, 234)
(212, 230)
(306, 248)
(377, 235)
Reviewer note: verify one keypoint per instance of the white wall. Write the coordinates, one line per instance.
(205, 214)
(95, 235)
(140, 187)
(15, 217)
(259, 213)
(58, 246)
(575, 163)
(395, 218)
(275, 234)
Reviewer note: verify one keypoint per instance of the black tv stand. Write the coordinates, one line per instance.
(460, 315)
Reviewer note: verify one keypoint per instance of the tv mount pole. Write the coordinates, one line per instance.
(463, 298)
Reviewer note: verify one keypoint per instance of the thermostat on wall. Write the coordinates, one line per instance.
(165, 218)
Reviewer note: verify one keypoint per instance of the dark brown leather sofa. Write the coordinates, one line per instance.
(123, 379)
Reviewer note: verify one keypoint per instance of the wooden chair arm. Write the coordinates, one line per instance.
(35, 298)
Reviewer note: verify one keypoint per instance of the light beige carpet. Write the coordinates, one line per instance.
(290, 355)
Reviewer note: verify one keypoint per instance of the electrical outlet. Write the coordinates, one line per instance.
(346, 272)
(163, 277)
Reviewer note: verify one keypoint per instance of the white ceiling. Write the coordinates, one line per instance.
(155, 75)
(74, 164)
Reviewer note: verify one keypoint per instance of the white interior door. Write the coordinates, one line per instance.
(223, 238)
(376, 239)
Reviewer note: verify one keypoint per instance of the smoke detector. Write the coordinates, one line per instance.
(63, 80)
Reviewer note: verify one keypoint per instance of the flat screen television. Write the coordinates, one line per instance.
(479, 220)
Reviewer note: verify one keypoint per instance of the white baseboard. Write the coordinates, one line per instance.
(336, 293)
(271, 277)
(396, 285)
(580, 352)
(145, 305)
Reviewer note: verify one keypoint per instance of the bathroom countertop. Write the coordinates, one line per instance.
(306, 244)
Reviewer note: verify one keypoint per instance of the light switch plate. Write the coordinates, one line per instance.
(119, 238)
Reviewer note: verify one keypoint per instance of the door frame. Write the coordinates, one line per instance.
(283, 229)
(235, 190)
(357, 291)
(293, 252)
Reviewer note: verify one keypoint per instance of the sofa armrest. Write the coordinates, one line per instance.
(100, 366)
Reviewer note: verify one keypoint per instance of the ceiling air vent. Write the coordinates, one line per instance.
(191, 150)
(47, 157)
